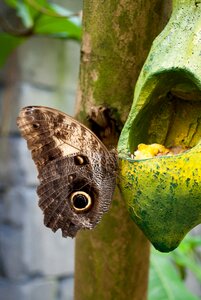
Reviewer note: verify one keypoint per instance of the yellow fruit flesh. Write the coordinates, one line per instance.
(148, 151)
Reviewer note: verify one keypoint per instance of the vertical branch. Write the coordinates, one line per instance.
(112, 260)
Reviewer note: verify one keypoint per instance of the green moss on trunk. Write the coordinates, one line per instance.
(112, 260)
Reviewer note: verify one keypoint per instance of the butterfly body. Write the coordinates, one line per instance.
(77, 173)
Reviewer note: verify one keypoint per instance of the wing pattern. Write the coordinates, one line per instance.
(77, 173)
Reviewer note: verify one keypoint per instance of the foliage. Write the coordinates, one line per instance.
(36, 18)
(8, 44)
(167, 271)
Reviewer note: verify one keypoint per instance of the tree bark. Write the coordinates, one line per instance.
(112, 260)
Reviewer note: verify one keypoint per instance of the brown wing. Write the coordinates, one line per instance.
(60, 180)
(51, 134)
(72, 162)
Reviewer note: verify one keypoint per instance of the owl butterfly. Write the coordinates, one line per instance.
(76, 172)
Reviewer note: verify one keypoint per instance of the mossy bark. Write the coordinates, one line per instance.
(112, 260)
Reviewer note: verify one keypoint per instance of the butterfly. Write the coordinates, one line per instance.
(76, 172)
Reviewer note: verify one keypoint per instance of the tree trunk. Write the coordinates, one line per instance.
(112, 261)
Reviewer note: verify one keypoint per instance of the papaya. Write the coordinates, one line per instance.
(160, 145)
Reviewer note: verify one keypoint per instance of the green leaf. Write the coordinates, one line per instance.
(7, 44)
(24, 12)
(185, 255)
(47, 19)
(59, 27)
(35, 4)
(189, 243)
(59, 9)
(188, 262)
(164, 281)
(11, 3)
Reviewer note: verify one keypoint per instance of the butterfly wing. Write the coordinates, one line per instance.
(76, 171)
(51, 134)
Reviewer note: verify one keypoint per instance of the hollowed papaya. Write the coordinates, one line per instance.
(163, 190)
